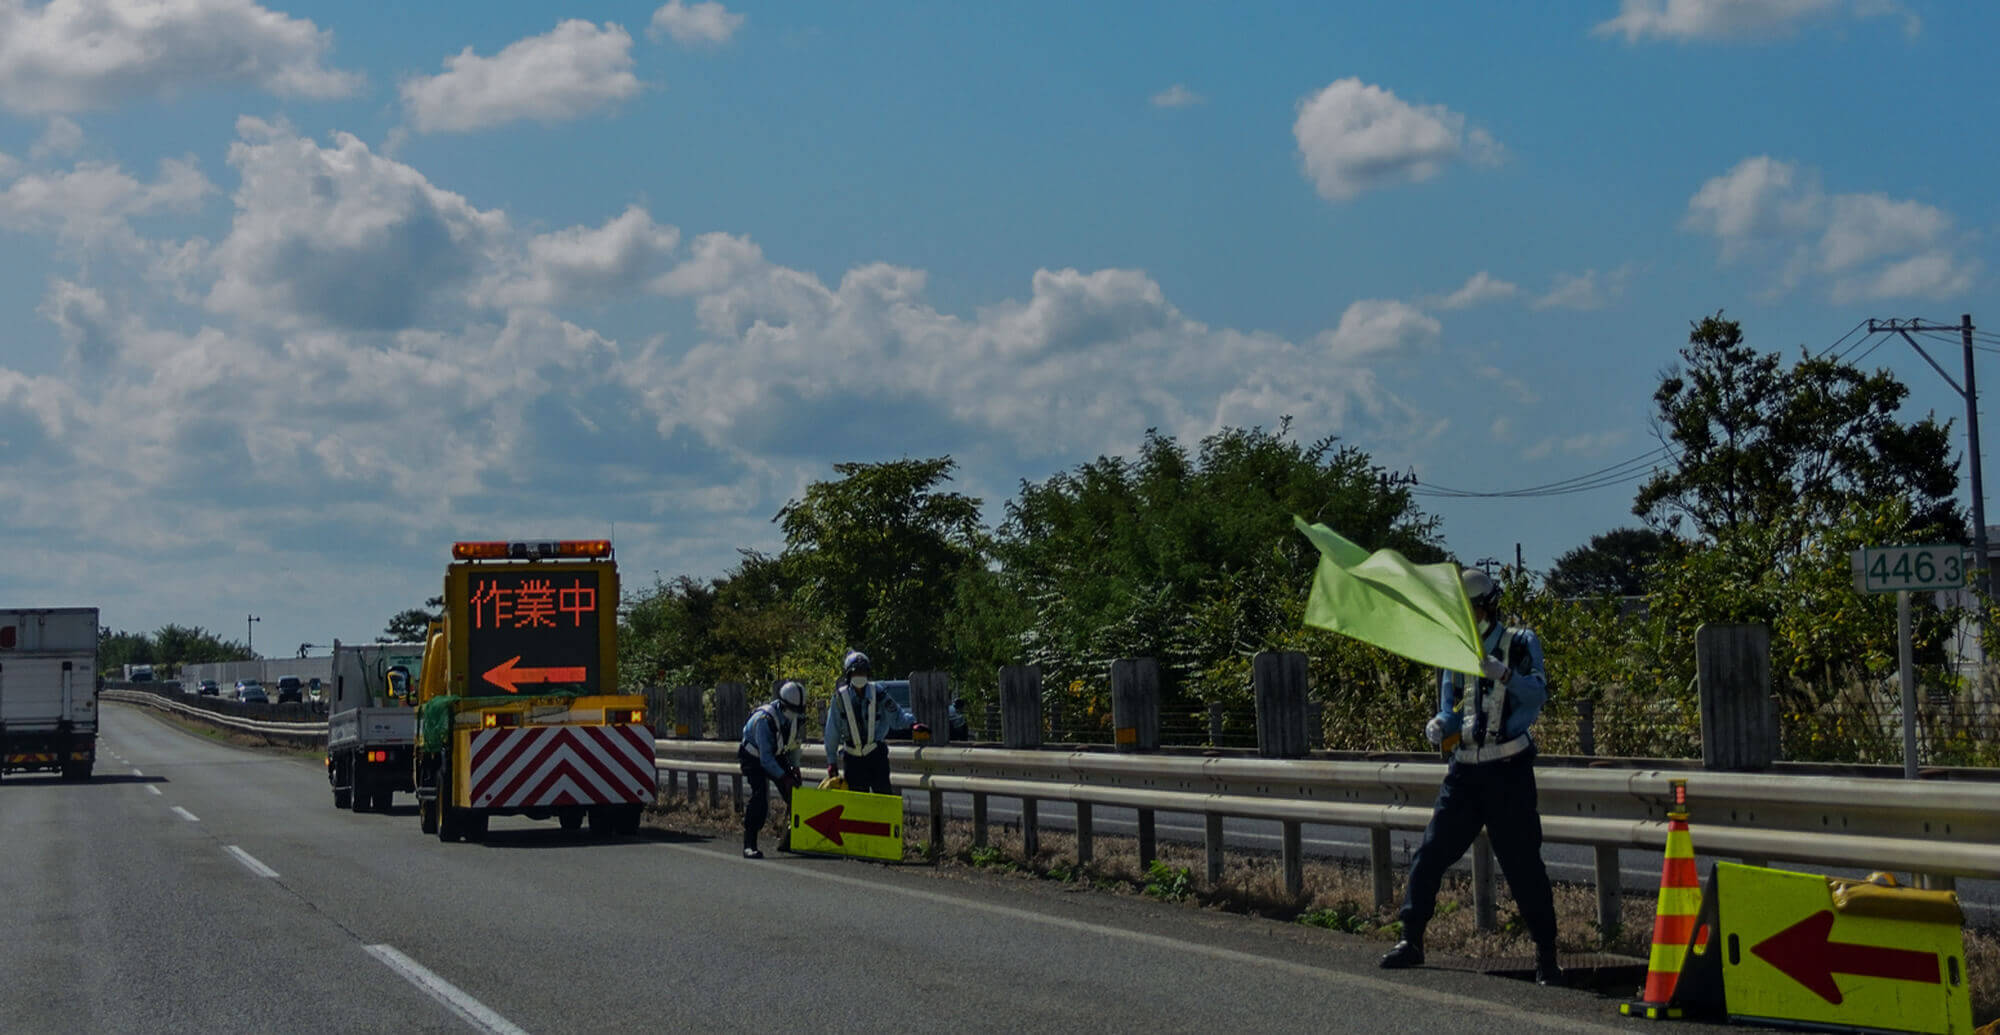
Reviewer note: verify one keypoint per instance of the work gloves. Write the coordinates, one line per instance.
(1434, 731)
(918, 727)
(1494, 670)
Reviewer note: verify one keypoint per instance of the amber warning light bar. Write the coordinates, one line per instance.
(531, 550)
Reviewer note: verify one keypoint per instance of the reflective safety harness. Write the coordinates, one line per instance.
(1493, 708)
(784, 735)
(863, 742)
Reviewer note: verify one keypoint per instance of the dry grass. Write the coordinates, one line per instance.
(1337, 895)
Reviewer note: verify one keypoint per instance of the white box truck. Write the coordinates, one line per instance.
(371, 723)
(48, 690)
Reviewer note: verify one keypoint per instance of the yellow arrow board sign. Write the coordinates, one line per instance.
(847, 823)
(1804, 947)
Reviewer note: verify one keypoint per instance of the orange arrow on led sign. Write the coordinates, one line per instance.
(831, 826)
(505, 675)
(1807, 953)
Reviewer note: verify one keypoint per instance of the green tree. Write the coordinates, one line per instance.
(1189, 558)
(1614, 563)
(878, 554)
(115, 650)
(413, 625)
(1788, 450)
(176, 645)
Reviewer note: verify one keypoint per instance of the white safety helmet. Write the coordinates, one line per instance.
(792, 696)
(1480, 588)
(856, 662)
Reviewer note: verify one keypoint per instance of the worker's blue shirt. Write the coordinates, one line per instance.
(761, 738)
(888, 716)
(1527, 688)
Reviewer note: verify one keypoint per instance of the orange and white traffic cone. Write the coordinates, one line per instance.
(1674, 919)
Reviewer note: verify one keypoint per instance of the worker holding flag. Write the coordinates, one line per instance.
(1491, 688)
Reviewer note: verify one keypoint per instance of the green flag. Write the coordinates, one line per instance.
(1416, 610)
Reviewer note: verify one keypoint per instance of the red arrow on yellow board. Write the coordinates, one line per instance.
(831, 826)
(1807, 953)
(505, 675)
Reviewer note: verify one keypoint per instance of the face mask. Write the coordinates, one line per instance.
(857, 681)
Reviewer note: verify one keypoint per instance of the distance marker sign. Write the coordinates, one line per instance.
(1888, 569)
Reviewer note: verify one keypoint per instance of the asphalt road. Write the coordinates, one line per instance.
(195, 886)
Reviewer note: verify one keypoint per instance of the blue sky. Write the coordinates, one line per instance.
(298, 293)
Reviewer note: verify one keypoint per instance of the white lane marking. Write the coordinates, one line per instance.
(135, 772)
(186, 815)
(250, 861)
(471, 1010)
(154, 789)
(1529, 1019)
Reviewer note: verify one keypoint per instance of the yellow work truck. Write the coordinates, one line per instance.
(518, 711)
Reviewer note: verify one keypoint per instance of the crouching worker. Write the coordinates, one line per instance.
(859, 719)
(1482, 725)
(770, 754)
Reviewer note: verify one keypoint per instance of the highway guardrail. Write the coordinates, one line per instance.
(297, 732)
(1939, 830)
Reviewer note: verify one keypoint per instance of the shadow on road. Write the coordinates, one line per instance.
(53, 780)
(549, 835)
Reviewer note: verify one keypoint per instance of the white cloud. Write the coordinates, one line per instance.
(344, 237)
(582, 264)
(1375, 325)
(1176, 96)
(566, 73)
(92, 205)
(61, 137)
(1353, 136)
(1586, 290)
(1710, 19)
(707, 22)
(8, 164)
(76, 55)
(1859, 246)
(1481, 288)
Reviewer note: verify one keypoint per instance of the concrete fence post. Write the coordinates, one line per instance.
(1739, 721)
(687, 712)
(1021, 706)
(732, 709)
(1279, 678)
(1135, 704)
(930, 700)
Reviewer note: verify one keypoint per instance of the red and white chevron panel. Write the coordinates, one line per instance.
(533, 766)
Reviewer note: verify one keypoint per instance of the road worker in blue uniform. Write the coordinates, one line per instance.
(1482, 726)
(770, 754)
(860, 718)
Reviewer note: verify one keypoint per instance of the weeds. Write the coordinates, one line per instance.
(1168, 883)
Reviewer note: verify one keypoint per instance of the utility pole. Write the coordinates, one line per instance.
(250, 634)
(1971, 395)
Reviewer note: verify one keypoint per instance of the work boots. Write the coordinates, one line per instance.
(1547, 970)
(1407, 953)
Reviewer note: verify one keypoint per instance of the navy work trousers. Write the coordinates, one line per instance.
(758, 809)
(869, 772)
(1500, 797)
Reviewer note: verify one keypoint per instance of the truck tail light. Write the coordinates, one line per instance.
(378, 756)
(500, 720)
(615, 716)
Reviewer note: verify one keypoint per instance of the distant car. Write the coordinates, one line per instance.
(899, 689)
(209, 688)
(251, 691)
(291, 688)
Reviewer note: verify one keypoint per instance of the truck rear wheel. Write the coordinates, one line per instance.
(571, 819)
(628, 819)
(381, 799)
(473, 824)
(358, 793)
(74, 771)
(427, 815)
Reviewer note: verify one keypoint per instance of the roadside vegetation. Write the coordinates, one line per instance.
(1771, 473)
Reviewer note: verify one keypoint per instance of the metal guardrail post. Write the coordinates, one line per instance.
(1381, 868)
(1031, 832)
(1085, 851)
(1485, 910)
(1605, 872)
(715, 790)
(736, 791)
(1212, 840)
(1148, 843)
(978, 820)
(1292, 853)
(936, 846)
